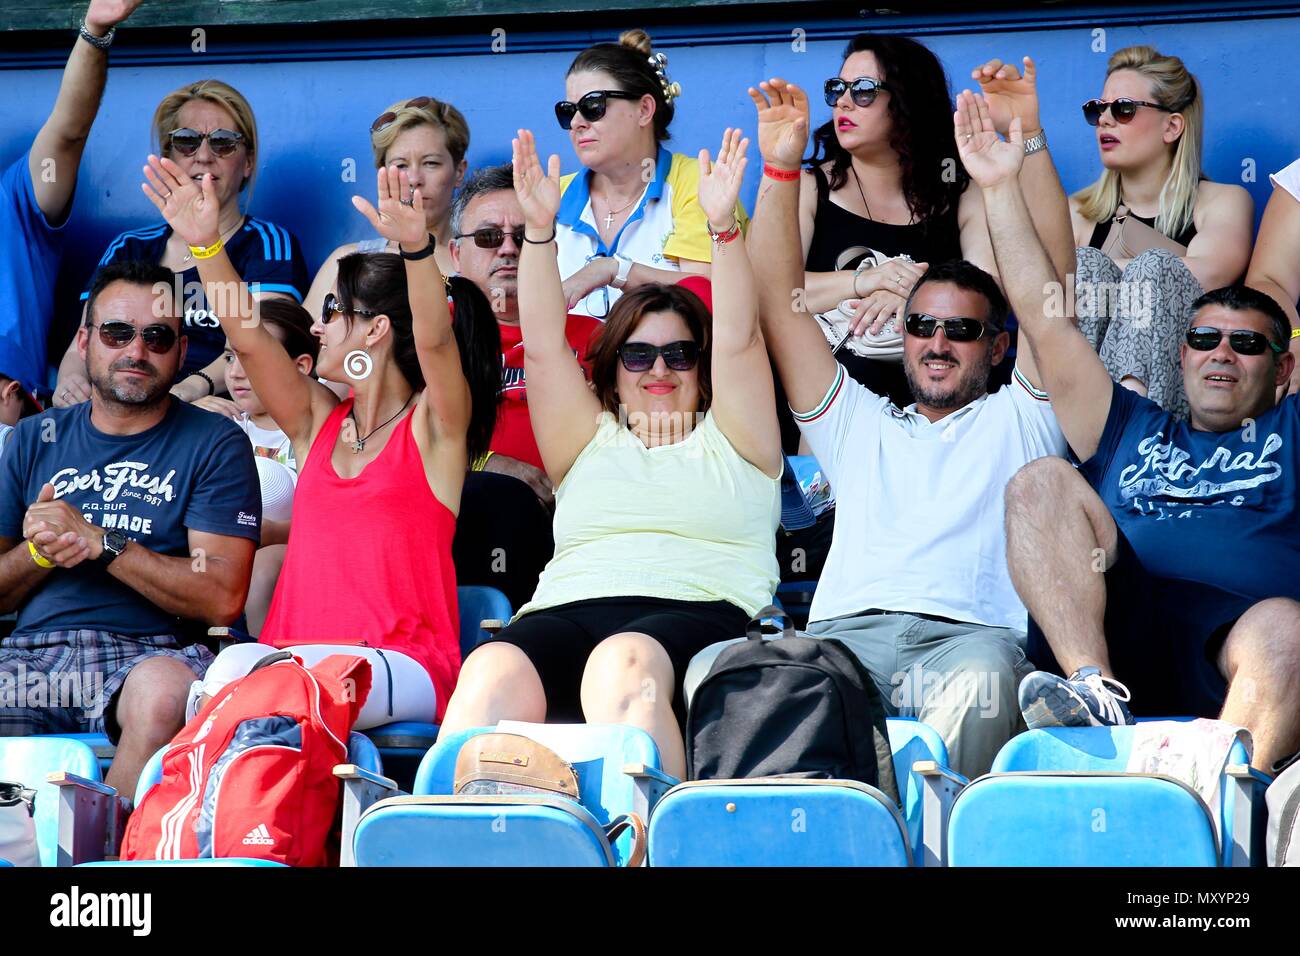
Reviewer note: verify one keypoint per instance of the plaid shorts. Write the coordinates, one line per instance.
(63, 682)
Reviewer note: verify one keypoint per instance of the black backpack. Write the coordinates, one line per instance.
(793, 707)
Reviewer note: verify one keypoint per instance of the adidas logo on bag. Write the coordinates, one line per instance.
(259, 836)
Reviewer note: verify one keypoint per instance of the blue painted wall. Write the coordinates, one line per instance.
(315, 100)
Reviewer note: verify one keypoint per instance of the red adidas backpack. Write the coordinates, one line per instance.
(252, 774)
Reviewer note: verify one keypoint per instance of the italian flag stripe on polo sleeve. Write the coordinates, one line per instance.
(831, 394)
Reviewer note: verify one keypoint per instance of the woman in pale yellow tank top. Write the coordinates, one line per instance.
(666, 473)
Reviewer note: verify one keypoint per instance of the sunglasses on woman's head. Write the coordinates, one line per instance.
(492, 237)
(641, 356)
(187, 141)
(1123, 109)
(332, 307)
(158, 339)
(592, 106)
(1206, 338)
(385, 120)
(864, 90)
(956, 329)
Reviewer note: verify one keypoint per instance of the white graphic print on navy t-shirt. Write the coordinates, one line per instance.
(1218, 508)
(192, 471)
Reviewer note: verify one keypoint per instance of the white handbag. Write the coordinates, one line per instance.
(18, 825)
(884, 346)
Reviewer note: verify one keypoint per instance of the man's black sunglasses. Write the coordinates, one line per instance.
(864, 90)
(491, 237)
(641, 356)
(592, 106)
(956, 329)
(158, 339)
(332, 307)
(1206, 338)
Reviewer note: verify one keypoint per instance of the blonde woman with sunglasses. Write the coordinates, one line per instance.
(206, 128)
(1153, 233)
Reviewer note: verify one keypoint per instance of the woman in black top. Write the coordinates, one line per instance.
(885, 177)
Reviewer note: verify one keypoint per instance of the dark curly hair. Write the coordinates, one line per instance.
(920, 108)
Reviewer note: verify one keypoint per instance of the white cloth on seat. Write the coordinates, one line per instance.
(1195, 752)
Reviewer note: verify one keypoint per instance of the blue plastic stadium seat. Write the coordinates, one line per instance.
(29, 760)
(410, 739)
(433, 828)
(770, 822)
(1061, 797)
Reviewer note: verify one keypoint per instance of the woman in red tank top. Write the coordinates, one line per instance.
(369, 561)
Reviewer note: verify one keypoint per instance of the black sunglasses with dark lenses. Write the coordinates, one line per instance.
(385, 120)
(592, 106)
(1206, 338)
(118, 335)
(864, 90)
(641, 356)
(332, 307)
(1122, 109)
(956, 329)
(187, 141)
(492, 237)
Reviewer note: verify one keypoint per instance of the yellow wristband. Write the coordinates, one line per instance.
(39, 558)
(483, 460)
(206, 252)
(1295, 333)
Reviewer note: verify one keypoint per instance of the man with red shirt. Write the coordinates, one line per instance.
(488, 224)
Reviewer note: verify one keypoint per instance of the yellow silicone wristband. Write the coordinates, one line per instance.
(206, 252)
(39, 558)
(1295, 333)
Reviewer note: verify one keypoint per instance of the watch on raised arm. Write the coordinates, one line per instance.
(115, 543)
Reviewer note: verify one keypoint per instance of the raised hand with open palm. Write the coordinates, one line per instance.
(782, 122)
(538, 191)
(720, 181)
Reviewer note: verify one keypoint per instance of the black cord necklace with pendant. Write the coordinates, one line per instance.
(359, 444)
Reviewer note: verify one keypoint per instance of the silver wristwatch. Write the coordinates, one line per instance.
(99, 43)
(1036, 142)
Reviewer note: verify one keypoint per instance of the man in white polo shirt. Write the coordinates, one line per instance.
(916, 582)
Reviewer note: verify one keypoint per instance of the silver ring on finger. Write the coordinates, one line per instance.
(408, 202)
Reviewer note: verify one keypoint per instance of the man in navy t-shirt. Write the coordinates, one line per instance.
(36, 196)
(1170, 558)
(125, 522)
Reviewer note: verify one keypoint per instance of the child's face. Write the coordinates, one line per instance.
(241, 391)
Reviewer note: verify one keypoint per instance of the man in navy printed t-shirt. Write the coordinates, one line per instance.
(125, 522)
(1170, 559)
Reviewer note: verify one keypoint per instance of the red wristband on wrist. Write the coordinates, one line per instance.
(780, 175)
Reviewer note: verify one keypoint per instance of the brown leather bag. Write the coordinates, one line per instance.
(1129, 237)
(502, 764)
(511, 765)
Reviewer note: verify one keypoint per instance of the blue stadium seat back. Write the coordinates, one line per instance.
(29, 760)
(1061, 819)
(768, 823)
(99, 743)
(911, 740)
(1101, 750)
(478, 604)
(462, 831)
(598, 753)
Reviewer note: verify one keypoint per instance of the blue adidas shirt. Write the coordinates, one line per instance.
(1216, 508)
(30, 249)
(193, 470)
(265, 255)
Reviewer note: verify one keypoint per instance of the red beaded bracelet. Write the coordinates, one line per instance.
(780, 175)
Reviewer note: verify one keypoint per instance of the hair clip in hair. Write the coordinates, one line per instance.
(659, 63)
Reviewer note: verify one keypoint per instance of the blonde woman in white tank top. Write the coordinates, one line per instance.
(666, 474)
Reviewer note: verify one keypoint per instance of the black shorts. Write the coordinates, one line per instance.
(1164, 638)
(558, 641)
